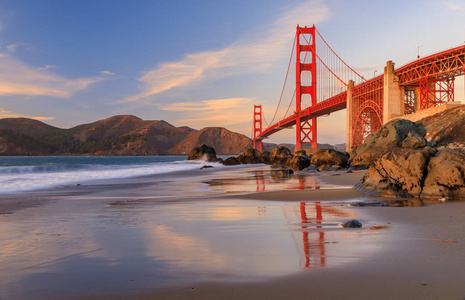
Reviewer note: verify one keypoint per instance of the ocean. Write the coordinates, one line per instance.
(27, 173)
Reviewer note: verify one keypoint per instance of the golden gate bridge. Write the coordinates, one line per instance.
(324, 84)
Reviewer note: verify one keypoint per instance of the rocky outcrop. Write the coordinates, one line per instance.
(446, 127)
(402, 172)
(324, 159)
(280, 155)
(396, 133)
(397, 172)
(203, 152)
(445, 175)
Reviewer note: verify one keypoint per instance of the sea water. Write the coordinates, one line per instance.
(26, 173)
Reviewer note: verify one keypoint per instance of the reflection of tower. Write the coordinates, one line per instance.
(261, 211)
(260, 181)
(319, 243)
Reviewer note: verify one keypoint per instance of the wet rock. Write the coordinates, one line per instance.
(369, 204)
(203, 152)
(281, 172)
(231, 161)
(279, 155)
(334, 168)
(326, 158)
(352, 224)
(251, 156)
(206, 167)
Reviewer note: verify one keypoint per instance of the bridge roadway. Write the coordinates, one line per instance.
(449, 63)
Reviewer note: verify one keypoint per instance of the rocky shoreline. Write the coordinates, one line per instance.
(403, 158)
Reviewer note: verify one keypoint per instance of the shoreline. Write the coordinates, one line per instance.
(403, 258)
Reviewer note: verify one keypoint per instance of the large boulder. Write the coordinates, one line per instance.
(326, 158)
(395, 133)
(396, 172)
(251, 156)
(279, 155)
(203, 152)
(298, 162)
(445, 176)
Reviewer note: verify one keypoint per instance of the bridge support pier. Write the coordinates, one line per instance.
(393, 98)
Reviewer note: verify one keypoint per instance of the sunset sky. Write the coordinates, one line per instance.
(197, 63)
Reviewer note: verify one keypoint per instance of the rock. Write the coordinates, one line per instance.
(445, 176)
(281, 172)
(326, 158)
(231, 161)
(414, 140)
(352, 224)
(446, 127)
(334, 168)
(395, 133)
(280, 155)
(206, 167)
(202, 152)
(369, 204)
(298, 163)
(396, 172)
(251, 156)
(300, 153)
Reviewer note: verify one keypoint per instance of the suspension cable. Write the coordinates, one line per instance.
(285, 80)
(338, 56)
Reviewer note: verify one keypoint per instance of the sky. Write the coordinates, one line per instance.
(198, 63)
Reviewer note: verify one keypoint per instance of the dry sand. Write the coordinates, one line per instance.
(419, 251)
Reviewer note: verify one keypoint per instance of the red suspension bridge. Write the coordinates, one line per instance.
(324, 84)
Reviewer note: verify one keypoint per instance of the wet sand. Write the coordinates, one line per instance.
(400, 253)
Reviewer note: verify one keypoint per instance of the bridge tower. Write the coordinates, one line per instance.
(257, 127)
(305, 129)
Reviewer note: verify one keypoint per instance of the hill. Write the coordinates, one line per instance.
(117, 135)
(221, 139)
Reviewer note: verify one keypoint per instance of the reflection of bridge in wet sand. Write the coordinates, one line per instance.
(314, 244)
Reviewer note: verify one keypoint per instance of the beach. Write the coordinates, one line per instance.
(228, 233)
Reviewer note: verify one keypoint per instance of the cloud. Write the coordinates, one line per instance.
(253, 53)
(16, 78)
(11, 47)
(215, 112)
(9, 114)
(46, 67)
(454, 6)
(107, 73)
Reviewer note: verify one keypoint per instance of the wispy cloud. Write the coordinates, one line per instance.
(215, 112)
(11, 47)
(107, 73)
(9, 114)
(46, 67)
(17, 78)
(249, 54)
(454, 6)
